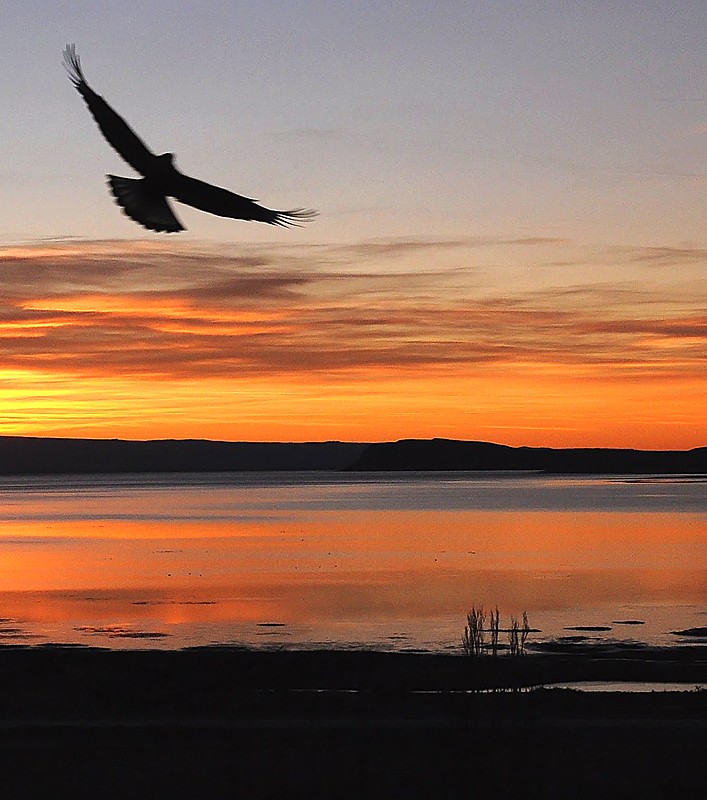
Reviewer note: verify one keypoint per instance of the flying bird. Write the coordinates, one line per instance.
(144, 199)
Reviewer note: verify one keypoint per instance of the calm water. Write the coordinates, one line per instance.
(303, 559)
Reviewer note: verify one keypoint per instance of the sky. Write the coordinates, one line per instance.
(511, 244)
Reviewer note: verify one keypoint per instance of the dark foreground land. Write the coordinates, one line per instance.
(230, 723)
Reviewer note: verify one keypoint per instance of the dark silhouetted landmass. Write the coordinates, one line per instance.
(39, 456)
(450, 454)
(701, 632)
(229, 723)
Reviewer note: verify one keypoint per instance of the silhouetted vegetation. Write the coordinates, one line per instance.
(495, 628)
(474, 641)
(518, 635)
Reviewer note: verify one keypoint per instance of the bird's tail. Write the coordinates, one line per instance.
(150, 210)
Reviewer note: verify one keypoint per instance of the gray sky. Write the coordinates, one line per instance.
(586, 120)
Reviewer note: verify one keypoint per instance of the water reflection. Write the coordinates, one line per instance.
(169, 562)
(629, 686)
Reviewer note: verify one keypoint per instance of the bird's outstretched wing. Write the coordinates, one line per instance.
(116, 130)
(143, 205)
(215, 200)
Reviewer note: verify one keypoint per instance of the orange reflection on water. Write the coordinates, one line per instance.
(113, 554)
(68, 579)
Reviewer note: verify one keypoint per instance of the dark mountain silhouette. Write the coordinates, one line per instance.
(449, 454)
(35, 456)
(144, 199)
(28, 455)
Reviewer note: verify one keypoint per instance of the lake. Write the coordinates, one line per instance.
(383, 560)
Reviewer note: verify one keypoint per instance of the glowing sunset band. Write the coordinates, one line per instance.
(375, 341)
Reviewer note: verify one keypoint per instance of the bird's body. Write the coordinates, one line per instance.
(144, 199)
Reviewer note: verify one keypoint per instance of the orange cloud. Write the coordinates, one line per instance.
(415, 345)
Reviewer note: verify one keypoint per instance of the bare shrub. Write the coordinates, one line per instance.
(524, 633)
(514, 637)
(473, 639)
(494, 629)
(518, 635)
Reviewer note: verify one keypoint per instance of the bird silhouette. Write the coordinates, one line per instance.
(144, 199)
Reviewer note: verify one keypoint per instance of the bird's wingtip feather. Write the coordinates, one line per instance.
(295, 217)
(72, 65)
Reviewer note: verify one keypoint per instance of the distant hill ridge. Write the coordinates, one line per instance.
(452, 454)
(20, 455)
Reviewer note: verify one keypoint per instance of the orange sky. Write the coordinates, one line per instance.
(525, 341)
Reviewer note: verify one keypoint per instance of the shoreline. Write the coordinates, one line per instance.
(158, 678)
(219, 721)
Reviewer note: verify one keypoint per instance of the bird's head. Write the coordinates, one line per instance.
(165, 161)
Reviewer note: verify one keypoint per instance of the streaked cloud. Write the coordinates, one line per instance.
(162, 311)
(666, 256)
